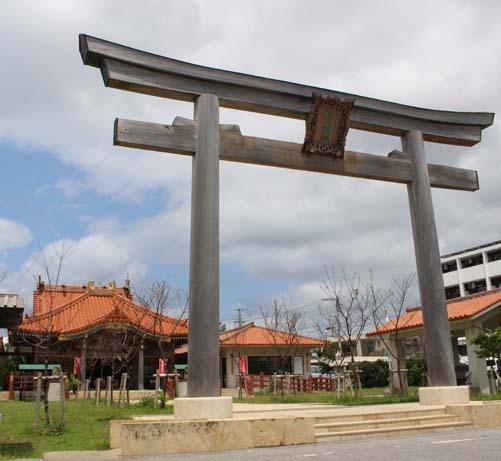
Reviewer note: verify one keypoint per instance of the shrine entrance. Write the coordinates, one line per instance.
(329, 115)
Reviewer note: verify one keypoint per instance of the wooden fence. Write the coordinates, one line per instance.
(24, 384)
(286, 383)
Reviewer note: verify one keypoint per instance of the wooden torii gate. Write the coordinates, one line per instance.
(208, 142)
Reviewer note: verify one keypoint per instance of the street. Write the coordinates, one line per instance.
(458, 446)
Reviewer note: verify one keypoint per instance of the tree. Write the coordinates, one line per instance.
(284, 329)
(159, 297)
(489, 346)
(346, 316)
(391, 303)
(50, 261)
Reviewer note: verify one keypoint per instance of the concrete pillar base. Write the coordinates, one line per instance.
(444, 395)
(203, 408)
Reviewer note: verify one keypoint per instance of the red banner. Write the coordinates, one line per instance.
(76, 367)
(243, 366)
(162, 366)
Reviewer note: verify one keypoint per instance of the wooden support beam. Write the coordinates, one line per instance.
(134, 70)
(180, 138)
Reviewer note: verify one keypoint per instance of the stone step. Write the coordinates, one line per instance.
(382, 423)
(369, 416)
(390, 431)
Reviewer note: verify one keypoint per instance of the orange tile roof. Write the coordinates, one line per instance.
(96, 307)
(253, 335)
(48, 297)
(457, 309)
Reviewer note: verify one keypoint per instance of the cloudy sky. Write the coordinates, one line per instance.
(121, 210)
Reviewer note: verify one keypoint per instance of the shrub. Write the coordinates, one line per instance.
(374, 374)
(417, 372)
(74, 383)
(11, 364)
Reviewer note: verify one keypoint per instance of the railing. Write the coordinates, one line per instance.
(21, 383)
(286, 383)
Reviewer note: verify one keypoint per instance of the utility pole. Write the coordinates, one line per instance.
(240, 320)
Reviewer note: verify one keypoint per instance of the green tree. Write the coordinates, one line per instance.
(489, 343)
(489, 346)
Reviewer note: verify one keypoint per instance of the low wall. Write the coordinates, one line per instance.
(163, 437)
(481, 414)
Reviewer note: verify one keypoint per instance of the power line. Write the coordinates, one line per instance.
(239, 320)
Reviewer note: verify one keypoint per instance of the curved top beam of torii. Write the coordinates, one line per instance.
(138, 71)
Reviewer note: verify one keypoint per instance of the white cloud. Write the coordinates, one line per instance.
(13, 235)
(275, 225)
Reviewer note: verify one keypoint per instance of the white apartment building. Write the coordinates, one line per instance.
(472, 270)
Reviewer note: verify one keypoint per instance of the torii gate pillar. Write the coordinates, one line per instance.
(203, 334)
(437, 334)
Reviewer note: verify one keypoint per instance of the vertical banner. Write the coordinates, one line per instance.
(243, 366)
(162, 366)
(76, 366)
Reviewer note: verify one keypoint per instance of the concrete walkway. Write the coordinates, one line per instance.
(254, 411)
(249, 410)
(265, 410)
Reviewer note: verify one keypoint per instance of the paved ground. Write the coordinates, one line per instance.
(253, 410)
(484, 444)
(456, 446)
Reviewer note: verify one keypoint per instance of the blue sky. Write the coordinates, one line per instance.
(122, 210)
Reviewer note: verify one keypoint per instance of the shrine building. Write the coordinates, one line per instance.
(98, 331)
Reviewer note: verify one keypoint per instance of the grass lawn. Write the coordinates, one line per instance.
(485, 397)
(369, 397)
(87, 426)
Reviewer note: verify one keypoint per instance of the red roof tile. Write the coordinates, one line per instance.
(86, 309)
(457, 309)
(48, 297)
(253, 335)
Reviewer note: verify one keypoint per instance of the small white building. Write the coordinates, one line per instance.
(260, 350)
(473, 270)
(467, 316)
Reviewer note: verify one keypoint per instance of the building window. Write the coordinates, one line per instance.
(494, 255)
(496, 282)
(452, 292)
(475, 287)
(449, 266)
(269, 365)
(471, 261)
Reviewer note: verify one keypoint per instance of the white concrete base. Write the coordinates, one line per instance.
(203, 408)
(444, 395)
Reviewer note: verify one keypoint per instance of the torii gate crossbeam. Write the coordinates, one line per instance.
(133, 70)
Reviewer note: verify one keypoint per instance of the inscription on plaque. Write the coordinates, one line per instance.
(327, 125)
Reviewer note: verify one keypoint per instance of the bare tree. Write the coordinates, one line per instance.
(115, 348)
(43, 338)
(346, 315)
(284, 329)
(161, 300)
(391, 304)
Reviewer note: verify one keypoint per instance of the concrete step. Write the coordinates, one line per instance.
(371, 416)
(382, 423)
(390, 431)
